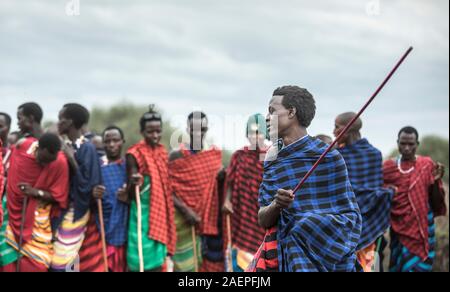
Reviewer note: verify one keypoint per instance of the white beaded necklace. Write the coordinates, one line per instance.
(399, 166)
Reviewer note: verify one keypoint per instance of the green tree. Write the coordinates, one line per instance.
(126, 116)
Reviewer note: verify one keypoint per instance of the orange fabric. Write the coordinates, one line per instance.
(194, 181)
(154, 163)
(366, 257)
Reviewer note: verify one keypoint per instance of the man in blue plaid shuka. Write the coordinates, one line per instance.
(115, 212)
(318, 228)
(320, 231)
(364, 164)
(365, 169)
(114, 176)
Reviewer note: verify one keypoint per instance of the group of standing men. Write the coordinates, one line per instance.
(65, 207)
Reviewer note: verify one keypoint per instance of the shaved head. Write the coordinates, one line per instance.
(345, 118)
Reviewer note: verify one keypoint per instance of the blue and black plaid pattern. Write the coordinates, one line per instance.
(321, 230)
(365, 170)
(115, 212)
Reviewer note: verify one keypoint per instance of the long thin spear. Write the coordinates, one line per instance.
(22, 227)
(386, 80)
(194, 242)
(229, 253)
(139, 229)
(102, 234)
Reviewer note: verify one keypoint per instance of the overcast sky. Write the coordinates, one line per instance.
(227, 57)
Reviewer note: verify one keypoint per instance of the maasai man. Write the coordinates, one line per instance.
(98, 142)
(7, 254)
(419, 199)
(318, 228)
(115, 198)
(147, 167)
(193, 172)
(365, 170)
(29, 116)
(244, 176)
(39, 173)
(5, 126)
(77, 225)
(29, 122)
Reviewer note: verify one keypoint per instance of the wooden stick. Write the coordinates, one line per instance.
(310, 172)
(102, 233)
(229, 245)
(139, 229)
(194, 242)
(22, 226)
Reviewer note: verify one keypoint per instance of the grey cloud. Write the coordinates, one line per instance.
(228, 56)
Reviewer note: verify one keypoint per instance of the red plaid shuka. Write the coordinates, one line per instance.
(194, 181)
(153, 162)
(244, 177)
(410, 205)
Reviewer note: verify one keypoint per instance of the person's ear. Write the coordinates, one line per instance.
(69, 123)
(292, 112)
(27, 120)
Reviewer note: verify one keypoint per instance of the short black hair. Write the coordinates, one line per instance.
(51, 142)
(409, 130)
(202, 115)
(151, 116)
(32, 109)
(300, 99)
(77, 113)
(7, 118)
(110, 128)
